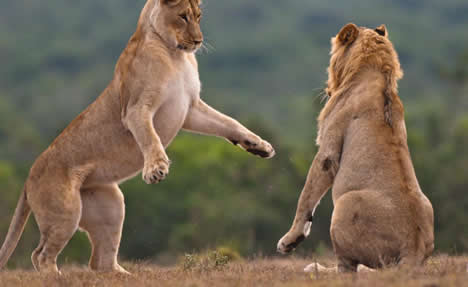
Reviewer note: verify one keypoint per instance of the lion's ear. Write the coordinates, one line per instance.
(381, 30)
(348, 34)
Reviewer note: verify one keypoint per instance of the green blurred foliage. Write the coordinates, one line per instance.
(265, 65)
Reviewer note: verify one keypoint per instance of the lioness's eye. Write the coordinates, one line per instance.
(184, 17)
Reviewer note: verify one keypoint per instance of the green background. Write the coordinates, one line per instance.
(265, 65)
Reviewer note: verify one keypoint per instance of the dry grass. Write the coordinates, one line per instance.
(438, 271)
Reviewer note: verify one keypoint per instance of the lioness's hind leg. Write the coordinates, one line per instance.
(57, 211)
(103, 216)
(35, 254)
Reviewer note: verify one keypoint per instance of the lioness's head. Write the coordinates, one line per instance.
(176, 22)
(357, 48)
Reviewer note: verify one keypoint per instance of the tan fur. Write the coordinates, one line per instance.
(381, 215)
(154, 93)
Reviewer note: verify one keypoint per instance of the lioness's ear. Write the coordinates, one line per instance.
(381, 30)
(348, 34)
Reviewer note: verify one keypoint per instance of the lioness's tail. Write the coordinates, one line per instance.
(20, 218)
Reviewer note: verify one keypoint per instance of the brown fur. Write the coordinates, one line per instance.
(381, 215)
(155, 92)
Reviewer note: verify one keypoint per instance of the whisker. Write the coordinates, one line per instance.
(202, 49)
(324, 98)
(208, 46)
(322, 94)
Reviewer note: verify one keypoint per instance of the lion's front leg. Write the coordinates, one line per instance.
(319, 180)
(204, 119)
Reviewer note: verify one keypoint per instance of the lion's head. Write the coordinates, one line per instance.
(355, 50)
(176, 22)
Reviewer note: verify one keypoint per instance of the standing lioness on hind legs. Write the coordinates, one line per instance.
(380, 214)
(154, 93)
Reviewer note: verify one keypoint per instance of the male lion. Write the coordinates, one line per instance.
(381, 215)
(154, 93)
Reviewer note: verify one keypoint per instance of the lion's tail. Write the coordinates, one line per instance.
(20, 218)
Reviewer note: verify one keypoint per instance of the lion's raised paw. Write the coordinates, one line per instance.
(262, 149)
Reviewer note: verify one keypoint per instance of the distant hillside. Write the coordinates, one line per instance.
(268, 58)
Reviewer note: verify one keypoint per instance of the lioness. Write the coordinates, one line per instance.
(154, 93)
(380, 214)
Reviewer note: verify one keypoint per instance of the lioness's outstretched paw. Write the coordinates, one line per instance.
(258, 147)
(155, 171)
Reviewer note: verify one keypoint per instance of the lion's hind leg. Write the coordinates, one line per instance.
(364, 268)
(366, 229)
(102, 218)
(317, 267)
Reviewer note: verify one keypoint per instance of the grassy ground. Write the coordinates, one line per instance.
(217, 271)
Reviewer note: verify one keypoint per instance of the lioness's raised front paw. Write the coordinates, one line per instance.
(255, 145)
(156, 170)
